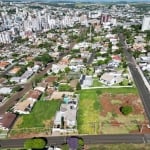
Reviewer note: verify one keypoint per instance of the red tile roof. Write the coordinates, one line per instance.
(8, 120)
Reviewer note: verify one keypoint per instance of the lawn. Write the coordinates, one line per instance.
(43, 111)
(96, 83)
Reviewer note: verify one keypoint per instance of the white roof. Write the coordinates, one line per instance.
(5, 90)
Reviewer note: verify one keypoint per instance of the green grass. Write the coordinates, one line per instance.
(89, 109)
(124, 90)
(116, 102)
(119, 147)
(42, 111)
(96, 83)
(65, 87)
(125, 82)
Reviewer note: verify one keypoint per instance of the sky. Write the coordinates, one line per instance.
(99, 0)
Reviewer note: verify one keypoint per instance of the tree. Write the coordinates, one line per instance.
(45, 58)
(78, 87)
(17, 88)
(30, 64)
(38, 79)
(80, 143)
(136, 54)
(67, 69)
(147, 38)
(126, 110)
(37, 143)
(85, 60)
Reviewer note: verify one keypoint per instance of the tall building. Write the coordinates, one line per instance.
(105, 18)
(146, 23)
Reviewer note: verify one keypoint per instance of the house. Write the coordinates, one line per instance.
(15, 79)
(65, 60)
(24, 107)
(41, 87)
(145, 59)
(98, 71)
(50, 81)
(2, 81)
(67, 114)
(116, 58)
(76, 64)
(87, 82)
(5, 90)
(14, 70)
(110, 78)
(76, 61)
(26, 76)
(4, 65)
(35, 68)
(146, 67)
(7, 120)
(58, 67)
(85, 54)
(114, 48)
(34, 95)
(138, 46)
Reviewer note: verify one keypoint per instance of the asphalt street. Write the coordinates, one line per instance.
(143, 91)
(88, 139)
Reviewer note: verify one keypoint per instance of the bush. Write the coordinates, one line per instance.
(78, 87)
(126, 110)
(37, 143)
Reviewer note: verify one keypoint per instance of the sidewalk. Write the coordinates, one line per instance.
(102, 87)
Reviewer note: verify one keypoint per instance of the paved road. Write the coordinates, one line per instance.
(143, 91)
(88, 139)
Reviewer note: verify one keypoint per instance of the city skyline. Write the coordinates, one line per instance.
(80, 0)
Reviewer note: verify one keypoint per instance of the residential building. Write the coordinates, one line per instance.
(146, 23)
(7, 121)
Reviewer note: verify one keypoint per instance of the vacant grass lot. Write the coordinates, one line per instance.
(42, 111)
(88, 117)
(88, 112)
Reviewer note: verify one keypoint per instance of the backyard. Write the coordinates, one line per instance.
(39, 120)
(99, 111)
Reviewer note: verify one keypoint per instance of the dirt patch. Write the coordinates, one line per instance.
(29, 135)
(130, 99)
(112, 103)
